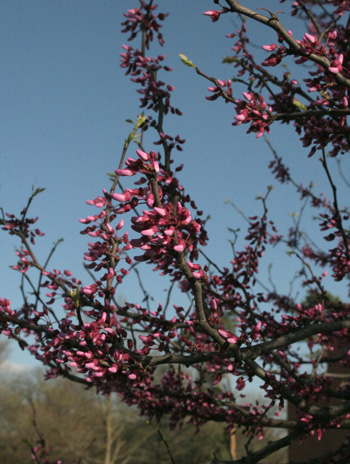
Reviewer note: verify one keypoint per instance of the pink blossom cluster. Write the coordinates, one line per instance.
(253, 110)
(22, 225)
(144, 20)
(319, 130)
(342, 6)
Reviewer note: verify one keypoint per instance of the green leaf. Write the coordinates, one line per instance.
(299, 105)
(111, 176)
(186, 61)
(141, 119)
(37, 191)
(132, 137)
(230, 60)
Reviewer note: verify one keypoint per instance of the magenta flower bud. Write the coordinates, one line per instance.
(120, 196)
(270, 48)
(310, 38)
(120, 225)
(213, 14)
(110, 228)
(248, 95)
(180, 246)
(143, 155)
(125, 172)
(149, 232)
(161, 211)
(155, 166)
(169, 232)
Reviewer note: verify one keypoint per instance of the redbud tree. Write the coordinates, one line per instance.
(174, 363)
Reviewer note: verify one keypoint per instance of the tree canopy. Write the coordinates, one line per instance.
(192, 364)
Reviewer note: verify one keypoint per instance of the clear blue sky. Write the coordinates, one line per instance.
(64, 101)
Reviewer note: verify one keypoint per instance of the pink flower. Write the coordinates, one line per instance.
(180, 247)
(228, 335)
(337, 65)
(143, 155)
(270, 48)
(125, 172)
(214, 15)
(151, 231)
(310, 38)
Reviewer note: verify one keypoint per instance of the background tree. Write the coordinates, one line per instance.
(80, 426)
(119, 347)
(4, 350)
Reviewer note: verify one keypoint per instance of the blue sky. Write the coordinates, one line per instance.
(64, 102)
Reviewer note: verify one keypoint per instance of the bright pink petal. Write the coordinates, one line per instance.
(153, 230)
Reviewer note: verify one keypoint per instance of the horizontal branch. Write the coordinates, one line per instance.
(297, 336)
(310, 113)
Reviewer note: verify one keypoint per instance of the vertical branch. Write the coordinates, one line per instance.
(335, 204)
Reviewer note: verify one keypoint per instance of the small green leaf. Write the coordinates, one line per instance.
(230, 60)
(299, 105)
(37, 191)
(186, 61)
(293, 215)
(325, 94)
(111, 176)
(141, 119)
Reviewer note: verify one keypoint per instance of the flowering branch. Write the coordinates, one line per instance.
(229, 329)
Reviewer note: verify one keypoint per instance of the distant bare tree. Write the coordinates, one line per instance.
(4, 350)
